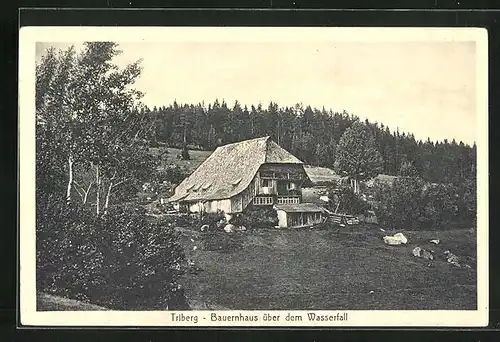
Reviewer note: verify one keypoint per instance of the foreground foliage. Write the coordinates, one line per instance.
(92, 154)
(121, 260)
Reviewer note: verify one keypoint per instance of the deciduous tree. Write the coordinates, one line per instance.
(357, 156)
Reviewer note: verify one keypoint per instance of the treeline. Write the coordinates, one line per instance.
(309, 133)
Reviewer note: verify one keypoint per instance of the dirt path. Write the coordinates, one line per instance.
(46, 302)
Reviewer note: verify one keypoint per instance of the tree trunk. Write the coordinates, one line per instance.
(98, 186)
(85, 197)
(108, 194)
(70, 179)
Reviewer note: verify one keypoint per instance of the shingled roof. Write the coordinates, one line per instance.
(230, 169)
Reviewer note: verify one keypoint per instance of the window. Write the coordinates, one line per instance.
(288, 200)
(266, 174)
(282, 175)
(263, 201)
(266, 183)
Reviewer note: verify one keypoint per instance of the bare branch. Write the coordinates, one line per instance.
(121, 182)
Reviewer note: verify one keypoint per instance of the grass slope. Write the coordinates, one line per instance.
(197, 157)
(323, 269)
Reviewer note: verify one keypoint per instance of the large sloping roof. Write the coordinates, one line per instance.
(230, 169)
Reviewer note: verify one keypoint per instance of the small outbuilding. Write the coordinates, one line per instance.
(299, 215)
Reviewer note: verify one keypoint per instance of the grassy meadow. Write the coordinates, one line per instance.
(328, 269)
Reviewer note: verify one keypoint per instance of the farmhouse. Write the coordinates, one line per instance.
(256, 172)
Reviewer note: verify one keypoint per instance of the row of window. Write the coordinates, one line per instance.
(280, 175)
(270, 200)
(268, 183)
(262, 200)
(288, 200)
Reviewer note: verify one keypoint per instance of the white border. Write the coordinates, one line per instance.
(28, 36)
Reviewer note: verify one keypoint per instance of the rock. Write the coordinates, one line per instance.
(195, 248)
(221, 223)
(427, 255)
(229, 228)
(422, 253)
(204, 228)
(451, 258)
(396, 239)
(401, 237)
(435, 241)
(241, 229)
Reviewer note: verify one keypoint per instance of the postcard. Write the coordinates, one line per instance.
(253, 177)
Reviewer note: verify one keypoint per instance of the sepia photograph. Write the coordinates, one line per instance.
(253, 176)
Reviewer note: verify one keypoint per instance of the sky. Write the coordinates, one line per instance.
(425, 88)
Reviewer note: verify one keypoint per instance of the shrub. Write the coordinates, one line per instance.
(440, 204)
(121, 260)
(211, 219)
(174, 175)
(400, 205)
(258, 217)
(185, 153)
(467, 201)
(348, 202)
(411, 204)
(185, 220)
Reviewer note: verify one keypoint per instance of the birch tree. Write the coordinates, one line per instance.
(88, 109)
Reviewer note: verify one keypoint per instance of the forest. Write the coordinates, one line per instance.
(311, 134)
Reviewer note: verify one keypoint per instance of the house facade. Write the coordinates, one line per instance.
(256, 172)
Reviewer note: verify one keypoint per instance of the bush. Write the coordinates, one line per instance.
(411, 204)
(348, 202)
(185, 153)
(467, 201)
(400, 205)
(257, 217)
(174, 175)
(185, 220)
(440, 204)
(211, 220)
(121, 260)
